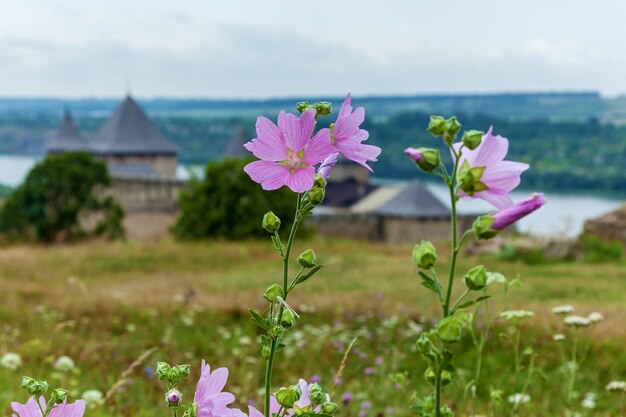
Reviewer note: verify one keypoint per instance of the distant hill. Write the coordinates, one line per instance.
(574, 140)
(561, 106)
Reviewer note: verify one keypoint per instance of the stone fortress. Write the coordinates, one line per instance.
(143, 165)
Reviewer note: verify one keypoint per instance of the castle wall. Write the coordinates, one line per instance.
(165, 165)
(147, 195)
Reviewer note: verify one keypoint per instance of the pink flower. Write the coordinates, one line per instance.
(513, 213)
(348, 138)
(274, 408)
(499, 177)
(31, 409)
(209, 398)
(327, 165)
(414, 154)
(287, 152)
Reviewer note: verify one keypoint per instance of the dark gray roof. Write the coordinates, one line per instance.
(415, 201)
(129, 132)
(133, 170)
(235, 147)
(67, 138)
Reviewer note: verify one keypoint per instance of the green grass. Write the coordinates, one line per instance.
(103, 304)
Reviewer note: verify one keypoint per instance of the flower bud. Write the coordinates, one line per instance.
(450, 330)
(288, 396)
(431, 377)
(482, 227)
(276, 332)
(427, 159)
(307, 259)
(319, 181)
(329, 408)
(288, 319)
(472, 138)
(476, 278)
(316, 394)
(271, 222)
(59, 395)
(315, 195)
(173, 398)
(273, 292)
(424, 255)
(34, 387)
(436, 125)
(452, 127)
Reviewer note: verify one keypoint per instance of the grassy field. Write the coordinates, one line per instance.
(104, 304)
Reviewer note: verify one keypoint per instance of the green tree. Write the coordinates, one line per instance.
(57, 194)
(227, 203)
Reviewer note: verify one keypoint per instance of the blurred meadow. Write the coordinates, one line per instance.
(104, 303)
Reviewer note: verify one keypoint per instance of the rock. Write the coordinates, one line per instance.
(609, 227)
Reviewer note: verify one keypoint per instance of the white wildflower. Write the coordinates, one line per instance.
(595, 317)
(563, 310)
(11, 360)
(495, 277)
(93, 398)
(558, 337)
(589, 402)
(615, 386)
(516, 314)
(577, 321)
(64, 364)
(518, 399)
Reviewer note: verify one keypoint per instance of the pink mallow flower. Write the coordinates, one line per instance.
(498, 177)
(507, 216)
(31, 409)
(287, 152)
(348, 138)
(209, 399)
(327, 165)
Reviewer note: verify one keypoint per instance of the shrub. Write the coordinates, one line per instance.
(225, 203)
(57, 193)
(595, 249)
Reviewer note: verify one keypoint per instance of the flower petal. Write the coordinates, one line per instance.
(302, 179)
(491, 150)
(499, 199)
(270, 175)
(269, 143)
(318, 148)
(298, 130)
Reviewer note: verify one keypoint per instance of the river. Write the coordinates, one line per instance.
(564, 215)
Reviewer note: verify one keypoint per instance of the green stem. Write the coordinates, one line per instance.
(574, 362)
(518, 334)
(455, 252)
(285, 255)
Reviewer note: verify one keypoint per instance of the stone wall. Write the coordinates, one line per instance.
(385, 229)
(165, 165)
(147, 195)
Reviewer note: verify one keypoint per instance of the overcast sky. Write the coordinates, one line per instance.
(233, 48)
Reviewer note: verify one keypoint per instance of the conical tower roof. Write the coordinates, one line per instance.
(129, 132)
(67, 138)
(235, 147)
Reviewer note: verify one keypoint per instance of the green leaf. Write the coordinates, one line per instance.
(260, 320)
(472, 302)
(430, 283)
(304, 277)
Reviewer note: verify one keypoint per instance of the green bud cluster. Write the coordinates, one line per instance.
(172, 375)
(431, 159)
(34, 387)
(446, 128)
(322, 108)
(307, 259)
(59, 395)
